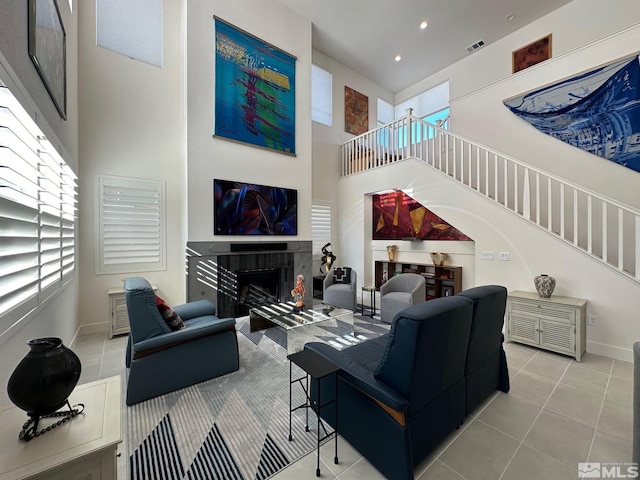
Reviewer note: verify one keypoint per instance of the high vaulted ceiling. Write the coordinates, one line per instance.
(366, 35)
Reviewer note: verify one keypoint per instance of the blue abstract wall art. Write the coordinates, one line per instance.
(255, 90)
(597, 111)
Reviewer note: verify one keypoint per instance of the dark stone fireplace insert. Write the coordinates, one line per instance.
(236, 275)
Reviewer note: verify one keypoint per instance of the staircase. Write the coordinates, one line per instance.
(605, 230)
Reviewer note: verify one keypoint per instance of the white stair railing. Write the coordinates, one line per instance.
(598, 226)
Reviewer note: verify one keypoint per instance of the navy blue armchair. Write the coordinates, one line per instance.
(161, 360)
(402, 393)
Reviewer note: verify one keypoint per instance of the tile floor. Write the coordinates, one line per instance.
(558, 413)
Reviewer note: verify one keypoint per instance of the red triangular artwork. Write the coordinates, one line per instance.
(396, 215)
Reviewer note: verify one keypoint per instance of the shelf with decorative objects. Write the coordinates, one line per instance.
(442, 280)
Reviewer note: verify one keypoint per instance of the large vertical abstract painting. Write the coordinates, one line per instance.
(597, 111)
(396, 216)
(255, 91)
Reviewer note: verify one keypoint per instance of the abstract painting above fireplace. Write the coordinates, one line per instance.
(250, 209)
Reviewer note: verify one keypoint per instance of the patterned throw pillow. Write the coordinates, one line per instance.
(173, 320)
(342, 275)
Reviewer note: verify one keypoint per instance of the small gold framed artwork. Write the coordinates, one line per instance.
(529, 55)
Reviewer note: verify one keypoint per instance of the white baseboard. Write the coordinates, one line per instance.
(611, 351)
(90, 328)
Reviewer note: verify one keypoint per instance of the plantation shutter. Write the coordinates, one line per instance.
(320, 227)
(131, 225)
(37, 215)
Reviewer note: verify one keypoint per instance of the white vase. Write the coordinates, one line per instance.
(545, 285)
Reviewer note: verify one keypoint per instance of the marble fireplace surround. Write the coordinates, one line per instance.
(213, 269)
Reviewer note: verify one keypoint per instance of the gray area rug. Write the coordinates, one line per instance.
(232, 427)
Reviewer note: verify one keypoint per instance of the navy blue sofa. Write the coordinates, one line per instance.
(161, 360)
(486, 369)
(401, 394)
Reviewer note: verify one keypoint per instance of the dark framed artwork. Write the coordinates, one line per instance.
(255, 91)
(356, 112)
(47, 49)
(529, 55)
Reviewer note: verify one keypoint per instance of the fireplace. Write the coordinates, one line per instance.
(255, 288)
(236, 275)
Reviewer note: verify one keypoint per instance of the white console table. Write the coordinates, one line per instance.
(556, 323)
(83, 448)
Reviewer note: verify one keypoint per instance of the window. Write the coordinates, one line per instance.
(320, 227)
(130, 235)
(131, 28)
(385, 116)
(321, 96)
(431, 106)
(385, 112)
(37, 215)
(436, 117)
(433, 100)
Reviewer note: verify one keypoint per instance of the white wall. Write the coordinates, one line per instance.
(59, 317)
(612, 298)
(212, 157)
(586, 33)
(132, 124)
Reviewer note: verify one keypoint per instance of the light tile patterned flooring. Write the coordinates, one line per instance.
(557, 414)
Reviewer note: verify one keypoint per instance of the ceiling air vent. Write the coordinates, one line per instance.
(475, 46)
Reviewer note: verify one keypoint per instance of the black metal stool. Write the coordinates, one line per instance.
(316, 367)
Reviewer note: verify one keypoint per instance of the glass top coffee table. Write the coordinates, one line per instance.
(315, 322)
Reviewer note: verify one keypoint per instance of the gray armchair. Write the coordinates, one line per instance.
(161, 360)
(400, 292)
(337, 293)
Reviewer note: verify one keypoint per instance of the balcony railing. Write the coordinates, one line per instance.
(598, 226)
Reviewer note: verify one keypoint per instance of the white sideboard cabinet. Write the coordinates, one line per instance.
(83, 448)
(556, 323)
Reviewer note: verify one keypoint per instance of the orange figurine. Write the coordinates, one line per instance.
(299, 291)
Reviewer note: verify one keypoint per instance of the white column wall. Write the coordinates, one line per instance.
(213, 157)
(132, 124)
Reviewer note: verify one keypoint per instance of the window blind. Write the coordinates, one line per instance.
(321, 96)
(37, 215)
(131, 28)
(320, 227)
(131, 225)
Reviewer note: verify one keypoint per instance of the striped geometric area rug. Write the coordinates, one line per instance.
(231, 427)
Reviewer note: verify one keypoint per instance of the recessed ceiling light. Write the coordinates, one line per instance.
(511, 16)
(398, 58)
(424, 24)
